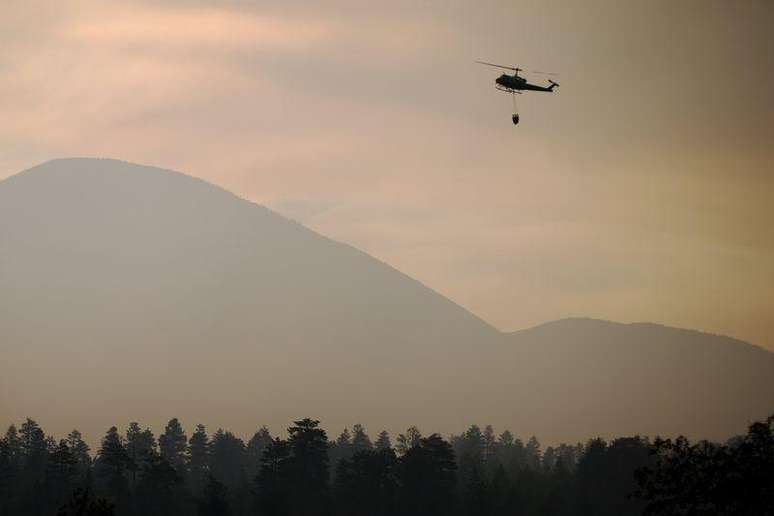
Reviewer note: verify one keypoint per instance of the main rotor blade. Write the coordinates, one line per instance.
(544, 73)
(499, 66)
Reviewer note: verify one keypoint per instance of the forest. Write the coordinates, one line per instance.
(304, 473)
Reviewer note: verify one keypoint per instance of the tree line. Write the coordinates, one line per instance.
(304, 473)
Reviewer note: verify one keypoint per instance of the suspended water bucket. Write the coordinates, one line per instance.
(515, 116)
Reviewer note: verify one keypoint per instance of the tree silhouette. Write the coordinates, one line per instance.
(198, 457)
(158, 488)
(111, 467)
(227, 458)
(255, 448)
(60, 477)
(475, 473)
(427, 476)
(367, 483)
(360, 439)
(273, 481)
(470, 451)
(140, 446)
(80, 451)
(383, 441)
(172, 445)
(308, 468)
(406, 441)
(340, 449)
(10, 469)
(707, 478)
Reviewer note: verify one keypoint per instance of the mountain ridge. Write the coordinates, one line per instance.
(635, 324)
(52, 164)
(143, 291)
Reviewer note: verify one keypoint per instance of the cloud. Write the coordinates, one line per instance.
(201, 29)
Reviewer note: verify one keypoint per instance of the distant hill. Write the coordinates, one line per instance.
(589, 376)
(131, 292)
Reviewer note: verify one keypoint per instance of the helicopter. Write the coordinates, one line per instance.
(514, 84)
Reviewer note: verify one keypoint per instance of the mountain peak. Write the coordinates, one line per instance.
(141, 274)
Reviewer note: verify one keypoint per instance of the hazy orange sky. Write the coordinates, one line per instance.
(641, 190)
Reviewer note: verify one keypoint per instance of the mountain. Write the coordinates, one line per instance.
(593, 375)
(135, 292)
(131, 292)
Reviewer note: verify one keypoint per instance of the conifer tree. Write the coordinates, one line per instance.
(273, 482)
(360, 439)
(112, 466)
(255, 448)
(383, 441)
(227, 459)
(60, 478)
(309, 467)
(408, 440)
(157, 492)
(10, 469)
(172, 445)
(198, 456)
(80, 451)
(140, 446)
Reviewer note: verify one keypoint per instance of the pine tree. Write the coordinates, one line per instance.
(383, 441)
(309, 467)
(61, 475)
(470, 450)
(10, 469)
(428, 476)
(340, 449)
(112, 466)
(343, 444)
(34, 449)
(228, 459)
(140, 446)
(367, 483)
(490, 445)
(157, 492)
(198, 456)
(549, 459)
(532, 453)
(172, 445)
(273, 482)
(360, 439)
(34, 455)
(80, 451)
(255, 448)
(408, 440)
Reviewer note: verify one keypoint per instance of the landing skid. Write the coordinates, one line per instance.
(507, 90)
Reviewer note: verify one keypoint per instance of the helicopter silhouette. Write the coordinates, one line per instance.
(514, 84)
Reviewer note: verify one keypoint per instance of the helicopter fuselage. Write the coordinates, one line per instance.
(516, 83)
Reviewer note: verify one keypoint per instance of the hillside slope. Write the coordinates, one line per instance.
(140, 292)
(586, 376)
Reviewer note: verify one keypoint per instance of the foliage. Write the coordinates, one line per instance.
(711, 479)
(475, 473)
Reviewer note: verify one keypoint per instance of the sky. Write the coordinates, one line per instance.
(641, 190)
